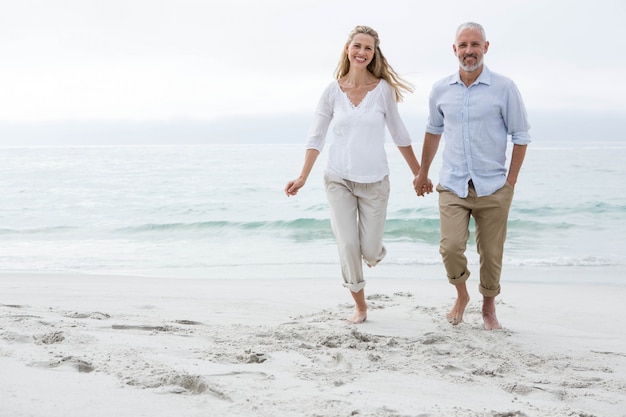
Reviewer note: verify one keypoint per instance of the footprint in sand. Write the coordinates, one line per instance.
(433, 338)
(188, 322)
(96, 315)
(79, 364)
(51, 338)
(142, 327)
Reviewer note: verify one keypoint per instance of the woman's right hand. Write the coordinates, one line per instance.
(294, 186)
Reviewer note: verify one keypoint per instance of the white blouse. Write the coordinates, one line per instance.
(357, 152)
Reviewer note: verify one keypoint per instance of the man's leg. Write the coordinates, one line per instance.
(491, 215)
(454, 214)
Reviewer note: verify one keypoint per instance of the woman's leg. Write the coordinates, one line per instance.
(343, 218)
(372, 215)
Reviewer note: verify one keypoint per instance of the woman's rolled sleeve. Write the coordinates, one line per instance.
(321, 121)
(395, 125)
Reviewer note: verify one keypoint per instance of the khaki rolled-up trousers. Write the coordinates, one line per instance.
(490, 215)
(357, 215)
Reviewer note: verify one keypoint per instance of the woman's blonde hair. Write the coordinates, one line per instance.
(379, 67)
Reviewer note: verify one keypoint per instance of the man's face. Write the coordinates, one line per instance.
(470, 48)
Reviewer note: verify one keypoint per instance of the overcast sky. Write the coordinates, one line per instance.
(151, 60)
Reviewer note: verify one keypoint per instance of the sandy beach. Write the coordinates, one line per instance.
(94, 345)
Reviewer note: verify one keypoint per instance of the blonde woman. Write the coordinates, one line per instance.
(361, 102)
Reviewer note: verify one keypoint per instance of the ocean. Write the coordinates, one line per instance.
(219, 211)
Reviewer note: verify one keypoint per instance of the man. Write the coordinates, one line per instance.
(476, 111)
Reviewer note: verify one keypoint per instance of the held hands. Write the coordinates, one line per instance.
(422, 184)
(294, 186)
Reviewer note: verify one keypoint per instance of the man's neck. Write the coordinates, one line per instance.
(468, 78)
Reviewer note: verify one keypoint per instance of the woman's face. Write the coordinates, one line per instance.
(361, 49)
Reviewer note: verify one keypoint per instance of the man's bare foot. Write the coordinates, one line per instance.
(491, 321)
(455, 316)
(358, 317)
(489, 314)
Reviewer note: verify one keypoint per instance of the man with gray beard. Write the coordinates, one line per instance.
(476, 111)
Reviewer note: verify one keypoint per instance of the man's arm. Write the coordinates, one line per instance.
(421, 183)
(517, 158)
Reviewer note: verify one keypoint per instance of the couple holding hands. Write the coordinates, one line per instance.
(474, 109)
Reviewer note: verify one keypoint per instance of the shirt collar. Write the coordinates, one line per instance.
(483, 78)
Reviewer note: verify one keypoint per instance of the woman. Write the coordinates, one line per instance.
(361, 102)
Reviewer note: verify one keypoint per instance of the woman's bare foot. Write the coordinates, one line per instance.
(358, 317)
(360, 314)
(489, 314)
(455, 316)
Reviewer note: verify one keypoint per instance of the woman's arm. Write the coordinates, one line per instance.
(294, 186)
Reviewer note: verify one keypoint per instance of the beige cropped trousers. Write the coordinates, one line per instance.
(490, 215)
(357, 215)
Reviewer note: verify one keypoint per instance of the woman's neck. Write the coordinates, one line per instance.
(359, 78)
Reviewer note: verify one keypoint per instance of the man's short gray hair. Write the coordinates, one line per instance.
(472, 26)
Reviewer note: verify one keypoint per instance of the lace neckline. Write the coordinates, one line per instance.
(363, 100)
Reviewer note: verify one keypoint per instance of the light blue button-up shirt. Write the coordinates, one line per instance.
(476, 122)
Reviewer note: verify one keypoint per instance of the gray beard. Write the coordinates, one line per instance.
(471, 68)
